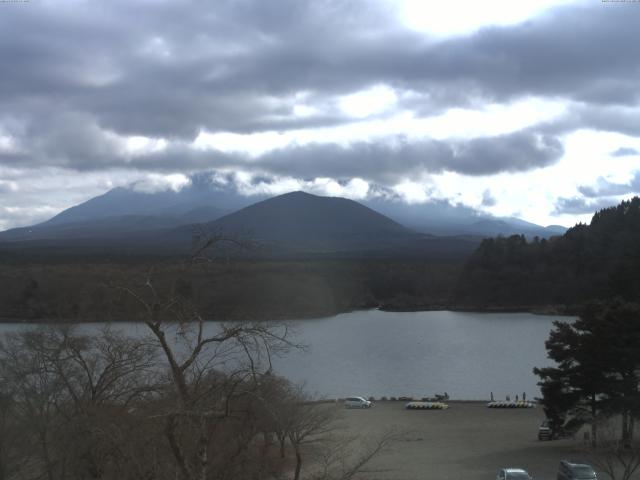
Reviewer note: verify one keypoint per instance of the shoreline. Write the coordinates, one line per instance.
(545, 310)
(548, 310)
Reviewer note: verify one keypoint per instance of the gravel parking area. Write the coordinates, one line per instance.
(468, 441)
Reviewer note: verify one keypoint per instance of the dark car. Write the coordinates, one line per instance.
(575, 471)
(549, 430)
(545, 431)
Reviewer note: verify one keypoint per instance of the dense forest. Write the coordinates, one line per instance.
(238, 290)
(599, 260)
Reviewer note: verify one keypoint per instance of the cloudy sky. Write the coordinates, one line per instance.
(527, 108)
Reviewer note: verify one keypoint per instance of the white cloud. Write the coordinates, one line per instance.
(458, 17)
(7, 144)
(140, 145)
(152, 183)
(368, 102)
(412, 192)
(8, 186)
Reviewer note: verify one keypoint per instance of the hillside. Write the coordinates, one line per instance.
(122, 212)
(299, 224)
(302, 221)
(293, 225)
(598, 260)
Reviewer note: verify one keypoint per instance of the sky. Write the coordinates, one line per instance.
(527, 108)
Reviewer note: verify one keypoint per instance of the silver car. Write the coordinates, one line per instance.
(513, 474)
(357, 402)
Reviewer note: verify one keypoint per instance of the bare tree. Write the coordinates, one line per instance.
(209, 366)
(10, 435)
(345, 457)
(63, 386)
(309, 423)
(618, 459)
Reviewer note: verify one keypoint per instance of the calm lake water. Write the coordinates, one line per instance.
(468, 355)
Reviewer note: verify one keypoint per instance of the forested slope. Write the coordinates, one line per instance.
(599, 260)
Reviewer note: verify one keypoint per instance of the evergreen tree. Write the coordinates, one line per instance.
(598, 366)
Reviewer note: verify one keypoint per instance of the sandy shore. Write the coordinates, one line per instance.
(467, 441)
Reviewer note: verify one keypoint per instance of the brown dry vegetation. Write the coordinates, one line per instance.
(239, 290)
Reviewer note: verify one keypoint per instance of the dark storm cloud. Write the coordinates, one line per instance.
(390, 161)
(78, 145)
(612, 118)
(625, 152)
(171, 68)
(80, 73)
(604, 188)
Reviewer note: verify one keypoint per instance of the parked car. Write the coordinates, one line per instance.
(357, 402)
(545, 431)
(513, 474)
(550, 431)
(575, 471)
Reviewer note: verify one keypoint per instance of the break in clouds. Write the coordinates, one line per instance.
(116, 91)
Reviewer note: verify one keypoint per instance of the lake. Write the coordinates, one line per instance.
(376, 353)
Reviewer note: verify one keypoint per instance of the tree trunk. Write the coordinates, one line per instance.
(594, 427)
(282, 441)
(174, 444)
(298, 463)
(48, 463)
(202, 449)
(625, 427)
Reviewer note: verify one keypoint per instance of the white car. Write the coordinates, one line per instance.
(357, 402)
(513, 474)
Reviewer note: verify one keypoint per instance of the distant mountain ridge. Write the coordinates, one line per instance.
(121, 211)
(302, 223)
(129, 201)
(296, 224)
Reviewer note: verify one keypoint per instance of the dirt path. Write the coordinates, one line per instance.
(468, 441)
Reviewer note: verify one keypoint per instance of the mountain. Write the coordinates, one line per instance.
(599, 260)
(209, 196)
(439, 217)
(299, 221)
(296, 224)
(299, 224)
(128, 219)
(201, 193)
(125, 211)
(114, 227)
(302, 217)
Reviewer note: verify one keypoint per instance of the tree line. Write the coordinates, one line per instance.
(221, 289)
(596, 261)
